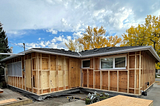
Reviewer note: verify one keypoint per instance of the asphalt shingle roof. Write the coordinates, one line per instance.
(57, 51)
(86, 52)
(105, 49)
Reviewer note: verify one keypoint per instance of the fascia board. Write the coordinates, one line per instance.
(41, 51)
(150, 48)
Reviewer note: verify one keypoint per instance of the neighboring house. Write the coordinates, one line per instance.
(127, 70)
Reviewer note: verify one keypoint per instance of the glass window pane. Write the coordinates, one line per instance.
(106, 63)
(86, 63)
(120, 62)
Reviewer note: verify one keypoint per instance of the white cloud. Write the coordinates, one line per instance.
(39, 38)
(53, 40)
(97, 12)
(58, 38)
(68, 15)
(56, 42)
(78, 34)
(68, 37)
(15, 33)
(52, 31)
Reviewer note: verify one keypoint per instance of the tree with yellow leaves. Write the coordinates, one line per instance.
(93, 38)
(74, 45)
(147, 34)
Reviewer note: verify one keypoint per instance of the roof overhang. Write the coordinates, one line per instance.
(142, 48)
(39, 51)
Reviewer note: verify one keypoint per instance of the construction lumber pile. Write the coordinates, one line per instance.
(123, 101)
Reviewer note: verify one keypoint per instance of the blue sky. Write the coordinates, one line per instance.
(51, 23)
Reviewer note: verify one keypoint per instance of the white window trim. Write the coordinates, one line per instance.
(114, 62)
(85, 60)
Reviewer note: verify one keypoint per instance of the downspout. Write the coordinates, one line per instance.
(81, 75)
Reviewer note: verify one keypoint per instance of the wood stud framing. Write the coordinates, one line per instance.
(94, 78)
(135, 73)
(136, 58)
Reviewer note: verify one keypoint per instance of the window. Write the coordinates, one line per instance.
(86, 63)
(120, 62)
(15, 69)
(113, 63)
(107, 63)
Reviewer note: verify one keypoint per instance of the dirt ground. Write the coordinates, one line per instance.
(62, 100)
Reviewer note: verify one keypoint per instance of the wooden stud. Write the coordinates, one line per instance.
(128, 74)
(117, 81)
(64, 85)
(87, 78)
(37, 67)
(81, 78)
(22, 71)
(139, 72)
(93, 72)
(25, 72)
(93, 79)
(49, 67)
(101, 80)
(135, 73)
(31, 73)
(108, 80)
(57, 85)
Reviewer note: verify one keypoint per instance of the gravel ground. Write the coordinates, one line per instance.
(62, 100)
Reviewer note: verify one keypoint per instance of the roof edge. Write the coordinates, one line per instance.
(150, 48)
(41, 51)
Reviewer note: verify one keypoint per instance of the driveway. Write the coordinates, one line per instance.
(154, 93)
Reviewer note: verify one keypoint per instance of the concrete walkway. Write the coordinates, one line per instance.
(154, 94)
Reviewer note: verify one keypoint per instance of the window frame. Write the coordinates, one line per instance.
(13, 72)
(114, 62)
(85, 60)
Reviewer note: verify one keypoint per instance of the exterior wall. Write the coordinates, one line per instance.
(139, 70)
(46, 73)
(148, 71)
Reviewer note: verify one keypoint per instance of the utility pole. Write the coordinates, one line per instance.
(24, 46)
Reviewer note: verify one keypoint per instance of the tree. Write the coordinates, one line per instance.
(94, 38)
(4, 48)
(147, 34)
(74, 45)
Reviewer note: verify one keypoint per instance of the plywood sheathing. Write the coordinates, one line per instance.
(123, 101)
(51, 73)
(105, 80)
(28, 73)
(74, 72)
(113, 80)
(128, 80)
(148, 68)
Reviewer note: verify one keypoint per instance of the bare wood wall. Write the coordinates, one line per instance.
(140, 70)
(46, 73)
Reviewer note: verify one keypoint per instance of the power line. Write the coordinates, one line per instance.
(16, 44)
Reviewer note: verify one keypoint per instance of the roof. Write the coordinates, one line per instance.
(106, 49)
(91, 53)
(69, 52)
